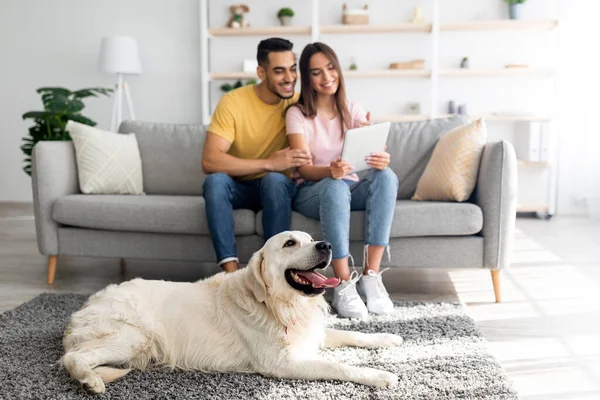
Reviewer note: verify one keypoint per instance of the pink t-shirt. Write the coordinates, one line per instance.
(323, 136)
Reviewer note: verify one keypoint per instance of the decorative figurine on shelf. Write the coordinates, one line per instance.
(355, 16)
(417, 16)
(285, 16)
(465, 63)
(414, 64)
(451, 107)
(353, 66)
(237, 19)
(414, 108)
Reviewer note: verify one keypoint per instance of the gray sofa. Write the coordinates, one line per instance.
(169, 222)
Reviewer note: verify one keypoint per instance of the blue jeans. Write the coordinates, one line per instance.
(331, 200)
(273, 193)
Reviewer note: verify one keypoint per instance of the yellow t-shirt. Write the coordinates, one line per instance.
(256, 130)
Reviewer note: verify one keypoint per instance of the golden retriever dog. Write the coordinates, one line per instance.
(268, 318)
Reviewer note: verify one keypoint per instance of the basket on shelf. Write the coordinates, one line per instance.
(355, 16)
(415, 64)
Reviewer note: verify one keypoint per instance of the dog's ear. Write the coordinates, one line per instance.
(245, 8)
(259, 286)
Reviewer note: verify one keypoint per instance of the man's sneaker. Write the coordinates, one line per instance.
(372, 289)
(346, 300)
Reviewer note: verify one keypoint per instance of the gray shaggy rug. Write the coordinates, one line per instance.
(444, 357)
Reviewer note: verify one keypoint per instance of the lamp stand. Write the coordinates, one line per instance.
(117, 113)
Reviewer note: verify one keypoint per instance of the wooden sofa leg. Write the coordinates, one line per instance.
(497, 286)
(52, 260)
(123, 266)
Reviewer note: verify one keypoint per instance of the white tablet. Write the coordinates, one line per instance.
(360, 142)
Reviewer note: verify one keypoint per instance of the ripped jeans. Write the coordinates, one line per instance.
(330, 201)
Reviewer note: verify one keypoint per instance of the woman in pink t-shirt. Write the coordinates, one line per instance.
(328, 191)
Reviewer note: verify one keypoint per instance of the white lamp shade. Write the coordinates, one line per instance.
(119, 55)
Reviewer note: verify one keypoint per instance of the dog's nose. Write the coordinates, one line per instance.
(323, 246)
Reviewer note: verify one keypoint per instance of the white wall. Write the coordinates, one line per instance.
(56, 43)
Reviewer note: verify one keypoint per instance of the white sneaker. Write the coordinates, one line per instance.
(346, 300)
(372, 289)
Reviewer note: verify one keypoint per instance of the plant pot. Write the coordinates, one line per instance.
(285, 21)
(514, 11)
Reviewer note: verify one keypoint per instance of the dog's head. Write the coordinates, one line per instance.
(288, 265)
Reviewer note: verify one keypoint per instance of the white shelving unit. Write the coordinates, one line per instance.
(435, 28)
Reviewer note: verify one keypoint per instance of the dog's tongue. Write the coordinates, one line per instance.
(319, 281)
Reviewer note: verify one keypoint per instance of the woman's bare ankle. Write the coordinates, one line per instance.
(340, 268)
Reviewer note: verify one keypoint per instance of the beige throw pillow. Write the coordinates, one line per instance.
(451, 173)
(107, 162)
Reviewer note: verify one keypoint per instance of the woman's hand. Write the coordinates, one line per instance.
(367, 121)
(339, 168)
(378, 161)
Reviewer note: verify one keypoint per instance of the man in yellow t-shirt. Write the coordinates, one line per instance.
(246, 153)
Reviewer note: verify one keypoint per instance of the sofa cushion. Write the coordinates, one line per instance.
(411, 219)
(411, 144)
(107, 162)
(452, 170)
(171, 156)
(152, 213)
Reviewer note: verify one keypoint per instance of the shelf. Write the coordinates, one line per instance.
(406, 27)
(261, 31)
(539, 164)
(400, 118)
(464, 72)
(215, 76)
(528, 208)
(418, 73)
(388, 73)
(493, 25)
(516, 117)
(508, 117)
(500, 25)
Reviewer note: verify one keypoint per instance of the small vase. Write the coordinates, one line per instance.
(514, 11)
(285, 20)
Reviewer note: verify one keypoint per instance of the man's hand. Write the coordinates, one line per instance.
(288, 158)
(339, 168)
(378, 161)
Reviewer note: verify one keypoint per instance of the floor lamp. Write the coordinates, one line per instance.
(119, 55)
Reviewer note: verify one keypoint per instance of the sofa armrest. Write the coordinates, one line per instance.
(496, 194)
(54, 174)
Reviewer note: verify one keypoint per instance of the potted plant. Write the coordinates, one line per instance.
(514, 8)
(228, 86)
(285, 16)
(60, 106)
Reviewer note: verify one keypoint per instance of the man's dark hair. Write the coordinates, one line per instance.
(269, 45)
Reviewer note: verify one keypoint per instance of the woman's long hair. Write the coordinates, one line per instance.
(308, 96)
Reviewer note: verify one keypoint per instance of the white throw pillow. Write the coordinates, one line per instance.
(107, 162)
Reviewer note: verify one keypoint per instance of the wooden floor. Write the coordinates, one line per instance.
(546, 333)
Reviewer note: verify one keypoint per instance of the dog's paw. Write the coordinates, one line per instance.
(385, 380)
(387, 340)
(93, 384)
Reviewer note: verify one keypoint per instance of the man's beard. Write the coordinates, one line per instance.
(273, 89)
